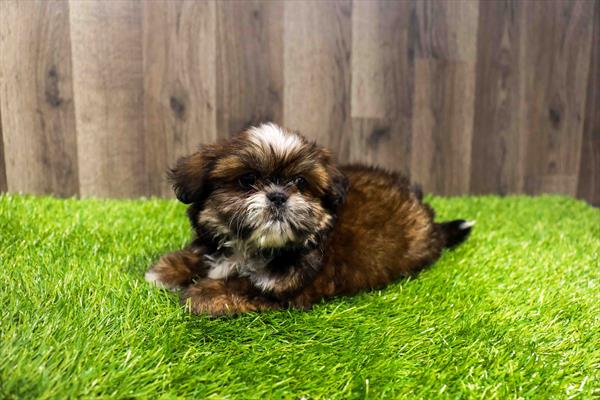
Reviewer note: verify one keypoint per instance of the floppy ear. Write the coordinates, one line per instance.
(336, 192)
(190, 175)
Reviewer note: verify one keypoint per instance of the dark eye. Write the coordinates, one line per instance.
(300, 182)
(247, 180)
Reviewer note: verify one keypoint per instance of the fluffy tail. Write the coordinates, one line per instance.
(455, 232)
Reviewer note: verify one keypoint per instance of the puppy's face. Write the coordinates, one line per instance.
(267, 188)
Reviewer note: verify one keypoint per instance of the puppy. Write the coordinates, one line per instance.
(278, 224)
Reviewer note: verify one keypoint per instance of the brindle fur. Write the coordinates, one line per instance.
(370, 227)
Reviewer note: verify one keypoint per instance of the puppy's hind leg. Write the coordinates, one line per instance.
(176, 270)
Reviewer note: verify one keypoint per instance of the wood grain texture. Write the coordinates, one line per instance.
(589, 169)
(555, 61)
(441, 128)
(38, 122)
(317, 49)
(249, 64)
(179, 84)
(3, 186)
(108, 85)
(444, 30)
(497, 156)
(99, 98)
(382, 85)
(444, 94)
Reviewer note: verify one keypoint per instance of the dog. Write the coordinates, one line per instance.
(278, 224)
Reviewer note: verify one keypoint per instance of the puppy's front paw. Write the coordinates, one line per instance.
(170, 272)
(219, 306)
(209, 297)
(217, 298)
(156, 279)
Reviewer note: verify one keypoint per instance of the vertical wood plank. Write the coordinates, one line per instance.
(179, 84)
(36, 96)
(555, 62)
(589, 170)
(442, 128)
(497, 156)
(3, 187)
(382, 84)
(249, 64)
(445, 35)
(108, 86)
(317, 47)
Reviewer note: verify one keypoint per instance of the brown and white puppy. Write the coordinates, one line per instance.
(278, 224)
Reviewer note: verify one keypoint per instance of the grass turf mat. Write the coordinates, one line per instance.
(513, 313)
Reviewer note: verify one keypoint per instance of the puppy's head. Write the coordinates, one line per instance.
(267, 188)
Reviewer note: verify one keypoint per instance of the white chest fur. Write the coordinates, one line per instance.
(221, 267)
(236, 264)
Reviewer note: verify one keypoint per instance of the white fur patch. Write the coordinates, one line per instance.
(238, 263)
(467, 224)
(272, 234)
(255, 208)
(222, 267)
(273, 136)
(264, 281)
(298, 204)
(154, 279)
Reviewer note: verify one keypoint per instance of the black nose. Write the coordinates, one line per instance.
(277, 198)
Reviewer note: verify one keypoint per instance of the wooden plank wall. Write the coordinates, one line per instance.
(36, 98)
(98, 98)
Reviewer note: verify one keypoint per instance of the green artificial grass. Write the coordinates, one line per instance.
(513, 313)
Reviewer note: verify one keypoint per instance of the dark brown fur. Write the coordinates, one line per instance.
(369, 228)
